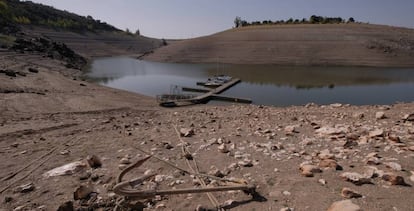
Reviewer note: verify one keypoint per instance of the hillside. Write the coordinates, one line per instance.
(298, 44)
(85, 35)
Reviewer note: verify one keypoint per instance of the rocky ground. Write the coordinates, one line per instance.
(313, 157)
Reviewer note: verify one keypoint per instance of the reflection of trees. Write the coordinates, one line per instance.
(315, 77)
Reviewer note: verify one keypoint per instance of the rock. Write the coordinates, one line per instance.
(376, 133)
(349, 193)
(412, 176)
(245, 163)
(394, 138)
(94, 161)
(336, 105)
(373, 161)
(167, 145)
(322, 181)
(67, 169)
(393, 165)
(125, 161)
(394, 179)
(7, 199)
(326, 130)
(287, 209)
(409, 117)
(411, 148)
(186, 132)
(345, 205)
(82, 192)
(223, 148)
(355, 178)
(349, 144)
(25, 188)
(326, 154)
(308, 170)
(358, 115)
(291, 129)
(330, 163)
(33, 70)
(380, 115)
(286, 193)
(67, 206)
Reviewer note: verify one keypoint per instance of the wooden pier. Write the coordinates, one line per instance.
(212, 94)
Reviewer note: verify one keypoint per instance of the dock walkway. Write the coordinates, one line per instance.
(209, 95)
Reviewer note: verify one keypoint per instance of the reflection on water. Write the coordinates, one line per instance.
(264, 84)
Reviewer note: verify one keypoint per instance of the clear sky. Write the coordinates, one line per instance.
(192, 18)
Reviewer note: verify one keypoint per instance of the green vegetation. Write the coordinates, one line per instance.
(16, 12)
(238, 22)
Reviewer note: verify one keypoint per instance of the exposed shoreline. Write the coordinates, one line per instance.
(53, 112)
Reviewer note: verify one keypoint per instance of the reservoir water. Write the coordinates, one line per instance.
(264, 84)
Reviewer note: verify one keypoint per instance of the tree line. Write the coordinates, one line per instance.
(16, 12)
(314, 19)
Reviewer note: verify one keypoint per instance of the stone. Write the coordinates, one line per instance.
(82, 192)
(355, 178)
(186, 132)
(349, 193)
(67, 206)
(67, 169)
(373, 161)
(245, 163)
(223, 148)
(411, 148)
(412, 176)
(330, 163)
(394, 138)
(344, 205)
(33, 70)
(291, 129)
(393, 165)
(326, 154)
(393, 179)
(286, 193)
(308, 170)
(327, 130)
(322, 181)
(376, 133)
(380, 115)
(125, 161)
(8, 199)
(287, 209)
(25, 188)
(409, 117)
(94, 161)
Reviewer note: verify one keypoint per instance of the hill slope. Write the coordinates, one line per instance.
(85, 35)
(302, 44)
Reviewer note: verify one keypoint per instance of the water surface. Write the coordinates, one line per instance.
(264, 84)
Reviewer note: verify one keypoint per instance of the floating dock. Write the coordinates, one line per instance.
(209, 94)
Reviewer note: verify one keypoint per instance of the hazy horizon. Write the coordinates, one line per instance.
(178, 19)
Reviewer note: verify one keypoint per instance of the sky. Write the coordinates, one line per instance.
(178, 19)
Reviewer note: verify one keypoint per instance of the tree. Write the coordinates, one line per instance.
(351, 20)
(237, 22)
(137, 32)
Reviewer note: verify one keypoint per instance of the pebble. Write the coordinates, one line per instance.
(355, 178)
(25, 188)
(344, 205)
(322, 181)
(186, 132)
(330, 163)
(245, 163)
(125, 161)
(94, 161)
(287, 209)
(308, 170)
(393, 165)
(82, 192)
(394, 179)
(223, 148)
(286, 193)
(380, 115)
(349, 193)
(67, 206)
(376, 133)
(412, 176)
